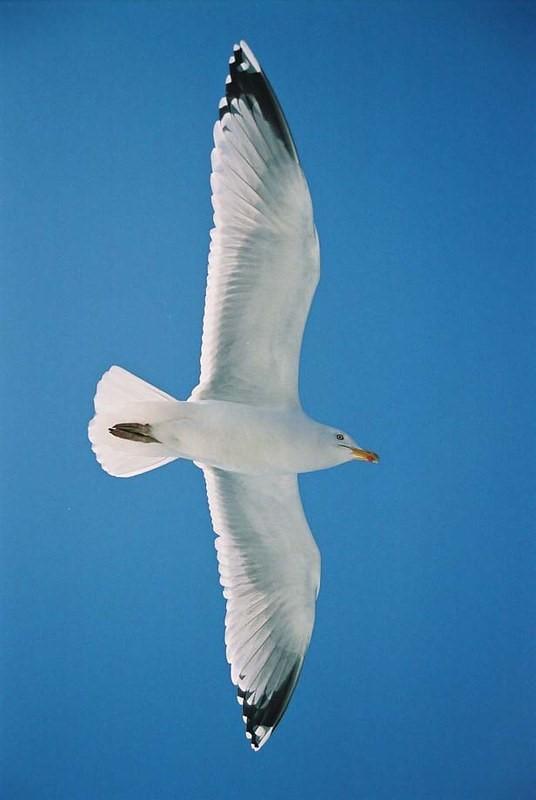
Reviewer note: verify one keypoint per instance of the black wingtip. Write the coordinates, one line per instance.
(261, 718)
(247, 79)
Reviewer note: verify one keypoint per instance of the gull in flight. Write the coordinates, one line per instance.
(243, 424)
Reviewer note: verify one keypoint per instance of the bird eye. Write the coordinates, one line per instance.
(340, 437)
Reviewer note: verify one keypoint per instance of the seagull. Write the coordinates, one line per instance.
(243, 424)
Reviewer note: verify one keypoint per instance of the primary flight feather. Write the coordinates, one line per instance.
(243, 424)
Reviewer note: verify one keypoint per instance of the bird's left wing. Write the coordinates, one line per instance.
(264, 259)
(270, 572)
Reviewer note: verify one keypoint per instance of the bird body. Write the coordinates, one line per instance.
(244, 424)
(250, 439)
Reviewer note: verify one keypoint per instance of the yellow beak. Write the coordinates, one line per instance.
(365, 455)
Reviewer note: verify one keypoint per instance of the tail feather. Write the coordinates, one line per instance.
(118, 388)
(120, 398)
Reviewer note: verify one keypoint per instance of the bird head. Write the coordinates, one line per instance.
(348, 449)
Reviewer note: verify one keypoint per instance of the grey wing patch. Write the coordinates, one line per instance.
(247, 80)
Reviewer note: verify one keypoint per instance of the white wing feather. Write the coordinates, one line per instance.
(264, 257)
(270, 572)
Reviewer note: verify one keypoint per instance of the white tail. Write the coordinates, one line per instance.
(123, 398)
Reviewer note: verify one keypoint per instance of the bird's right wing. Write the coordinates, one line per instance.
(270, 572)
(264, 259)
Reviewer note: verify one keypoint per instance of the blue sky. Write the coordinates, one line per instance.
(413, 123)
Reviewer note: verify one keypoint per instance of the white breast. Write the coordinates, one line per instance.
(243, 438)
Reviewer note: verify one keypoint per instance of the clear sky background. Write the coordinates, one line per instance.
(414, 123)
